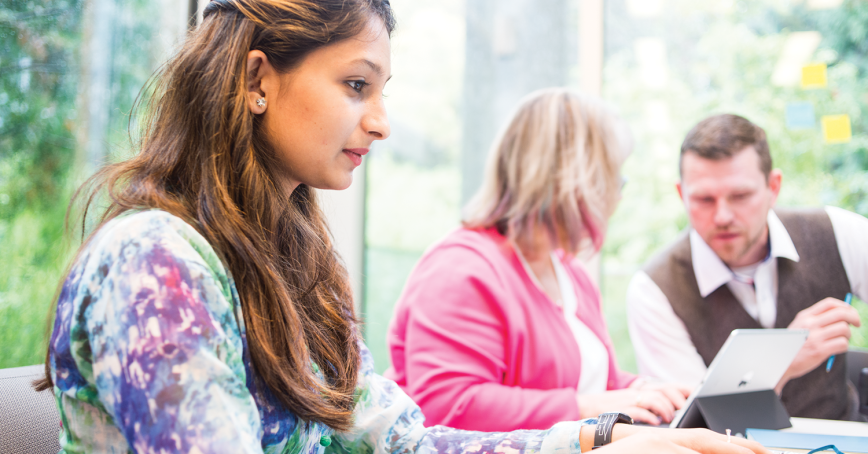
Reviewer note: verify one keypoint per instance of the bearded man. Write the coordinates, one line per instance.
(745, 264)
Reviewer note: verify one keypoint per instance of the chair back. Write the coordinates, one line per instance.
(857, 371)
(29, 421)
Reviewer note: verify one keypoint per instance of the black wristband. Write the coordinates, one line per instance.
(605, 423)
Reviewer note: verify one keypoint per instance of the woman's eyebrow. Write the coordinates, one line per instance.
(375, 67)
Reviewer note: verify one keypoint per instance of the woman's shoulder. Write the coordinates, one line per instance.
(156, 265)
(476, 254)
(151, 239)
(143, 231)
(148, 225)
(472, 241)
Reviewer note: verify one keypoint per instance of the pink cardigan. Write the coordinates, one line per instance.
(479, 347)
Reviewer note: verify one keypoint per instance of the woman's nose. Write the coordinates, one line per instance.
(376, 122)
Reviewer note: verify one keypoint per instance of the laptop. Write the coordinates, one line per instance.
(750, 360)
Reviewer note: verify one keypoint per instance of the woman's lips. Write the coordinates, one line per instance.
(355, 154)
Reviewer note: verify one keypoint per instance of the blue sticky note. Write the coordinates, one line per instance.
(800, 115)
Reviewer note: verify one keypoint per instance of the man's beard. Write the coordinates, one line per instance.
(735, 257)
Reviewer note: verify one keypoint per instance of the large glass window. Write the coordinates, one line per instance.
(69, 73)
(461, 66)
(413, 178)
(72, 68)
(671, 63)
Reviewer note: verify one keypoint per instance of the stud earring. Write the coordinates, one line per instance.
(260, 102)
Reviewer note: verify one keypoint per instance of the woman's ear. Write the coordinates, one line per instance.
(260, 80)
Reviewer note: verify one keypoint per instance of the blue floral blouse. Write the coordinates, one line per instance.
(149, 355)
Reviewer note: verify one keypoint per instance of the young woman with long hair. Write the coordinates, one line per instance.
(208, 311)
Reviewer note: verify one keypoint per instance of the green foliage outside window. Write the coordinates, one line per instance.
(44, 108)
(728, 69)
(38, 91)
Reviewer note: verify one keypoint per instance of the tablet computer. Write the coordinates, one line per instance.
(750, 360)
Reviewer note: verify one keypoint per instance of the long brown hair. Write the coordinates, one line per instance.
(204, 157)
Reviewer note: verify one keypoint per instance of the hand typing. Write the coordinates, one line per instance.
(650, 403)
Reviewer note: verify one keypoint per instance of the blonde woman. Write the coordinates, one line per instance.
(499, 326)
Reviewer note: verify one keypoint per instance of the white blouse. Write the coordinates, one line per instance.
(594, 356)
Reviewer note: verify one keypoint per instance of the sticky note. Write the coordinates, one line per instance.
(836, 128)
(800, 115)
(814, 76)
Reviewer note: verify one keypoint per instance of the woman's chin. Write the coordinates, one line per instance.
(337, 184)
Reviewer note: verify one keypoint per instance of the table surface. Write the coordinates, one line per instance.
(828, 427)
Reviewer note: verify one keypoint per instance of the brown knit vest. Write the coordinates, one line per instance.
(818, 274)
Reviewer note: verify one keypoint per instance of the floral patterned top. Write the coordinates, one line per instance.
(149, 355)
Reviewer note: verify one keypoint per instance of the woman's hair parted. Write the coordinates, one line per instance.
(204, 157)
(555, 166)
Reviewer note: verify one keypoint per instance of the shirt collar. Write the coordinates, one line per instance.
(782, 244)
(711, 272)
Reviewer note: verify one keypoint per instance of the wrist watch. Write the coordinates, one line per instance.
(605, 422)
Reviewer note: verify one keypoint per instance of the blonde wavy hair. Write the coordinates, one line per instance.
(555, 166)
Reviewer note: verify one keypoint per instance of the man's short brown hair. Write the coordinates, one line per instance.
(722, 136)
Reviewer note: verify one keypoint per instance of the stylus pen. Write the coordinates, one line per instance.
(847, 299)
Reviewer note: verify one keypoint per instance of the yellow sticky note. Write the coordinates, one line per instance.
(836, 128)
(814, 76)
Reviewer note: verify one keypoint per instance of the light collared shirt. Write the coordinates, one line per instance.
(660, 339)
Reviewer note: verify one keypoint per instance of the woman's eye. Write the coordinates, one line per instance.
(358, 85)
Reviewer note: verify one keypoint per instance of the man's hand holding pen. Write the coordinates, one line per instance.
(829, 324)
